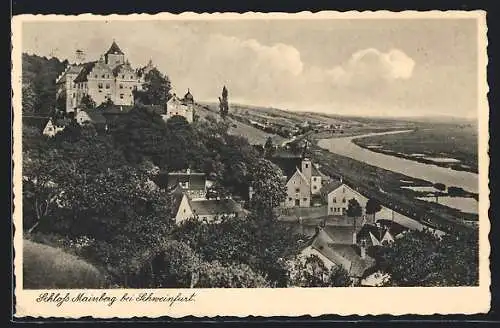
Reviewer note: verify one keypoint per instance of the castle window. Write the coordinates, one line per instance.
(297, 189)
(123, 76)
(305, 199)
(95, 76)
(289, 199)
(99, 85)
(107, 85)
(107, 75)
(103, 76)
(315, 187)
(121, 86)
(314, 179)
(121, 95)
(131, 77)
(307, 165)
(343, 200)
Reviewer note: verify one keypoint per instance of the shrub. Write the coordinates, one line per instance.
(49, 267)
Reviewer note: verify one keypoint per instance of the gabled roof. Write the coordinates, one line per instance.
(197, 180)
(114, 49)
(352, 254)
(176, 197)
(334, 185)
(84, 72)
(38, 122)
(95, 117)
(340, 234)
(215, 207)
(302, 176)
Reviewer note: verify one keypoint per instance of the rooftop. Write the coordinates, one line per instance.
(114, 50)
(215, 206)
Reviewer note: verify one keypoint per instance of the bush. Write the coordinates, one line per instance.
(49, 267)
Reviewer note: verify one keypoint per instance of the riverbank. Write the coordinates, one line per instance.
(448, 147)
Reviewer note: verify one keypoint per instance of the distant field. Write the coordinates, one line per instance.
(457, 142)
(254, 135)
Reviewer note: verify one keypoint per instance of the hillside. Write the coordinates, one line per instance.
(39, 75)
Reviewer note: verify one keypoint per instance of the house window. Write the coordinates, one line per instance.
(103, 76)
(99, 85)
(107, 85)
(123, 76)
(131, 77)
(305, 199)
(107, 75)
(121, 86)
(307, 165)
(343, 200)
(74, 95)
(95, 76)
(117, 61)
(315, 187)
(297, 190)
(331, 209)
(314, 179)
(121, 95)
(289, 199)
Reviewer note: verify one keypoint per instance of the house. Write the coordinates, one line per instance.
(339, 196)
(109, 78)
(53, 127)
(203, 209)
(303, 179)
(180, 107)
(93, 117)
(340, 249)
(194, 184)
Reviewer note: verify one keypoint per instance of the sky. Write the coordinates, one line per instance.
(371, 67)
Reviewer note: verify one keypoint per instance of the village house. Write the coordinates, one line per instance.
(339, 196)
(193, 184)
(339, 246)
(180, 107)
(109, 78)
(53, 127)
(95, 118)
(183, 208)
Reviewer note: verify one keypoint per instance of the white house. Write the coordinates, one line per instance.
(51, 128)
(180, 107)
(203, 209)
(338, 199)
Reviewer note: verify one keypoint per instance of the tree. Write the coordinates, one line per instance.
(87, 102)
(268, 147)
(373, 206)
(223, 103)
(311, 271)
(440, 186)
(156, 88)
(354, 210)
(215, 275)
(420, 258)
(267, 184)
(28, 98)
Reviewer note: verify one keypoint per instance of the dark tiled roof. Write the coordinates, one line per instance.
(331, 186)
(116, 109)
(114, 49)
(196, 180)
(352, 253)
(341, 234)
(82, 76)
(215, 207)
(96, 117)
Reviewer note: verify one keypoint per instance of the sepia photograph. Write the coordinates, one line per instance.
(329, 152)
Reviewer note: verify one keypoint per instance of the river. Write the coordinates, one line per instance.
(433, 173)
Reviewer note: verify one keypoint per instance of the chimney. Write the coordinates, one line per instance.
(363, 249)
(307, 169)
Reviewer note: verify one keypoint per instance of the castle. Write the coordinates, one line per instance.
(109, 78)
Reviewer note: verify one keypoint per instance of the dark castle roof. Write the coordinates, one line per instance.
(86, 69)
(114, 50)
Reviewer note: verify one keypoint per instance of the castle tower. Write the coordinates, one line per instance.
(79, 56)
(114, 56)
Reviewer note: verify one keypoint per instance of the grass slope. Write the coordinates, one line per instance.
(46, 267)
